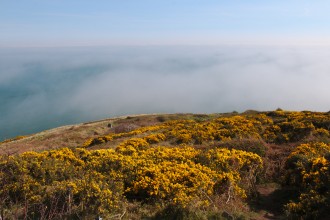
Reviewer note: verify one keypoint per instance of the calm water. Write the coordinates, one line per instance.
(49, 87)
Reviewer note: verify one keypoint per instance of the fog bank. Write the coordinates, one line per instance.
(48, 87)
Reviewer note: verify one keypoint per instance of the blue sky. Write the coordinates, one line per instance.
(145, 22)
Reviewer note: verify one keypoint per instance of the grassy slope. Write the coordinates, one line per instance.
(76, 135)
(66, 136)
(271, 197)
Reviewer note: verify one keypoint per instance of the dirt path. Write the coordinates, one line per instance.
(270, 202)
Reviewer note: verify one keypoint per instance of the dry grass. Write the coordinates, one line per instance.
(76, 135)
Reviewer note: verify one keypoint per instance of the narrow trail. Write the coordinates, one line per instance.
(270, 203)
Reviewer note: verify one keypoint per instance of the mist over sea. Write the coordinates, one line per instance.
(42, 88)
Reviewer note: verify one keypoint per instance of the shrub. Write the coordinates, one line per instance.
(308, 170)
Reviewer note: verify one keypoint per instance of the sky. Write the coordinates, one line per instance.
(53, 23)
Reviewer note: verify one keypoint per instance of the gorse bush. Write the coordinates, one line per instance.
(68, 183)
(200, 163)
(308, 170)
(57, 184)
(274, 127)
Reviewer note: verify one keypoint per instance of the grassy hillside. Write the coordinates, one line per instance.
(254, 165)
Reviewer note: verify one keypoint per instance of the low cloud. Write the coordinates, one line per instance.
(44, 88)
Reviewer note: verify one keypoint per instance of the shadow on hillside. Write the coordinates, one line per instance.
(271, 200)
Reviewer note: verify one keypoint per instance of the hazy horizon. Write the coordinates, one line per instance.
(42, 88)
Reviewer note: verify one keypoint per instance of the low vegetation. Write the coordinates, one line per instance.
(182, 166)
